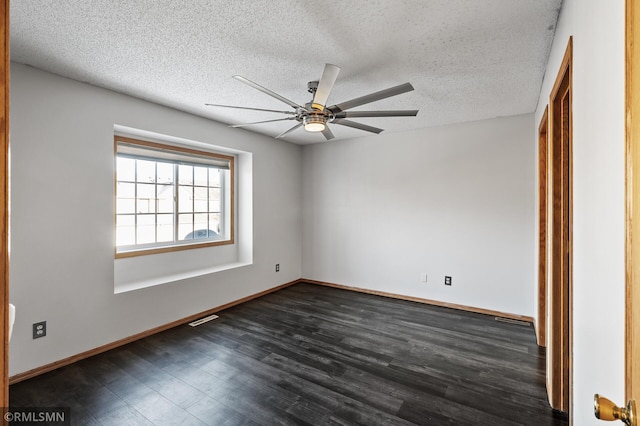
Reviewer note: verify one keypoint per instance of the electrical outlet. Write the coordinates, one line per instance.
(447, 280)
(277, 267)
(423, 277)
(39, 329)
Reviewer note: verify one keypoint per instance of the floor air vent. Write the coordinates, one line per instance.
(202, 320)
(513, 321)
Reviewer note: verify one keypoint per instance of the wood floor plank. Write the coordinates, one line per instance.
(312, 355)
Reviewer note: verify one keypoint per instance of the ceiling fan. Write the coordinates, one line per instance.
(315, 115)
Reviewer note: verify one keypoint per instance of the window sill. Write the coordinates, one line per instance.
(137, 285)
(169, 248)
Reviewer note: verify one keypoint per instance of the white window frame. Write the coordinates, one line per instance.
(147, 150)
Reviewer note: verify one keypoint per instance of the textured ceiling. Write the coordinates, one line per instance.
(468, 60)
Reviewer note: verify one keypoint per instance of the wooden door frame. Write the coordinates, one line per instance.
(559, 343)
(632, 207)
(543, 206)
(4, 201)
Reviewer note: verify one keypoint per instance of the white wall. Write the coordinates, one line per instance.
(597, 27)
(62, 265)
(456, 200)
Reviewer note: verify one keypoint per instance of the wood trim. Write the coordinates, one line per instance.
(4, 200)
(167, 249)
(632, 208)
(543, 164)
(75, 358)
(165, 146)
(564, 67)
(515, 317)
(559, 349)
(177, 247)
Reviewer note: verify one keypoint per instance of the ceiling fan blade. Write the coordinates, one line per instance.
(372, 97)
(286, 132)
(260, 122)
(252, 109)
(267, 91)
(328, 79)
(328, 134)
(355, 125)
(388, 113)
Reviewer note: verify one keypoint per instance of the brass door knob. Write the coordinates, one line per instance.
(604, 409)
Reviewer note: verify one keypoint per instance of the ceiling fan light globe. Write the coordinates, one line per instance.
(314, 127)
(314, 123)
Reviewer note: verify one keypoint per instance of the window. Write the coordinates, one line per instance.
(171, 198)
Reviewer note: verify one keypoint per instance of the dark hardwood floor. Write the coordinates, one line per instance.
(312, 355)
